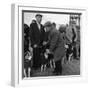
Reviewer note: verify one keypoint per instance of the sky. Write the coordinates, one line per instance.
(57, 18)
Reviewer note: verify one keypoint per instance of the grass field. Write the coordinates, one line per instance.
(69, 68)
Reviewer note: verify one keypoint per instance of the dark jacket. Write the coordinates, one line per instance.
(26, 37)
(56, 44)
(36, 35)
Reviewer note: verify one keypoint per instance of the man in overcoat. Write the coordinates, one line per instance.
(36, 36)
(56, 46)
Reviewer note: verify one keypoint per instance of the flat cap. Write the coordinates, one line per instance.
(48, 23)
(38, 15)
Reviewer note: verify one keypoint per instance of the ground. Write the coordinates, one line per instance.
(69, 68)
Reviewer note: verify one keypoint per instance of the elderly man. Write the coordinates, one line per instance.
(71, 34)
(36, 36)
(56, 46)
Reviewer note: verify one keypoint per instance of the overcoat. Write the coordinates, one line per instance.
(56, 44)
(36, 35)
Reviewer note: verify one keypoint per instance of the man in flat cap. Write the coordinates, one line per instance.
(38, 15)
(56, 46)
(36, 36)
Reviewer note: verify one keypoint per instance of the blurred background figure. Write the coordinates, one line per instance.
(26, 38)
(71, 33)
(27, 51)
(33, 21)
(54, 25)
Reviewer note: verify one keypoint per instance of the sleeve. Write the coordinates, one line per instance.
(53, 41)
(32, 35)
(76, 33)
(69, 34)
(43, 34)
(67, 40)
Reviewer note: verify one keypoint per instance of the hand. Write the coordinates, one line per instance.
(44, 43)
(47, 51)
(66, 46)
(35, 46)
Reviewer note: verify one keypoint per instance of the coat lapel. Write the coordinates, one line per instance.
(37, 30)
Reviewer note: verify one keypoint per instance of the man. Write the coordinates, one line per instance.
(56, 46)
(71, 34)
(36, 36)
(74, 39)
(54, 25)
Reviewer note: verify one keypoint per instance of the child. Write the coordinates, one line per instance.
(27, 62)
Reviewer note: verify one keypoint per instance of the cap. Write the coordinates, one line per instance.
(48, 23)
(38, 15)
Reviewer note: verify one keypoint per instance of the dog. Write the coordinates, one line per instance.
(47, 59)
(69, 52)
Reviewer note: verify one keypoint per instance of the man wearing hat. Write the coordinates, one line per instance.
(71, 33)
(36, 36)
(56, 46)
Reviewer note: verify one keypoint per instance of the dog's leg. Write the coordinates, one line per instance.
(70, 57)
(41, 68)
(44, 67)
(65, 60)
(25, 73)
(29, 70)
(51, 64)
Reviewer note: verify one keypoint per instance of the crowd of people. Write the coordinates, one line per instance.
(43, 43)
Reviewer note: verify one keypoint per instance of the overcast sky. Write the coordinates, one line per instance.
(57, 18)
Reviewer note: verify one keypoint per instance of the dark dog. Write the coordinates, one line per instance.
(46, 59)
(69, 52)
